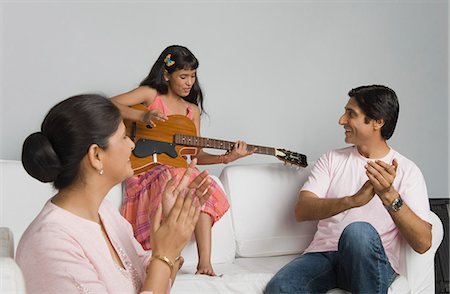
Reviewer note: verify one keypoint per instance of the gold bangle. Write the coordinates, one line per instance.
(165, 259)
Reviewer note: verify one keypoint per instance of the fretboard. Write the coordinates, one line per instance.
(201, 142)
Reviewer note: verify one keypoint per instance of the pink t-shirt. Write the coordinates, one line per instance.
(341, 173)
(63, 253)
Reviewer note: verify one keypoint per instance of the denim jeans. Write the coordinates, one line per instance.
(360, 266)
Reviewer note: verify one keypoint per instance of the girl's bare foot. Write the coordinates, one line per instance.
(205, 269)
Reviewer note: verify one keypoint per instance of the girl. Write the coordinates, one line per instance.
(79, 242)
(172, 88)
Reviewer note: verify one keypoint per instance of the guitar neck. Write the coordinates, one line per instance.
(201, 142)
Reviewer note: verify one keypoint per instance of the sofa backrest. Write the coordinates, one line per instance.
(262, 198)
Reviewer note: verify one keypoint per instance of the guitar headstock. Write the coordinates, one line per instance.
(291, 157)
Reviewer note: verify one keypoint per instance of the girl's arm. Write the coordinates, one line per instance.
(204, 158)
(143, 94)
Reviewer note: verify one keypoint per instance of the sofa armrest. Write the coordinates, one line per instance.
(6, 242)
(419, 268)
(11, 278)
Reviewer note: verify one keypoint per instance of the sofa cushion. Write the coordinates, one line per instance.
(244, 275)
(260, 231)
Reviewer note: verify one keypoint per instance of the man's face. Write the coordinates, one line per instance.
(357, 130)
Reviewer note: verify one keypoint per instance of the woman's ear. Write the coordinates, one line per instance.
(94, 156)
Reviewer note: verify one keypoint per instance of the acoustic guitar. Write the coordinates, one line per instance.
(170, 142)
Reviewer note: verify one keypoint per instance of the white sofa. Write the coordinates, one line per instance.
(250, 243)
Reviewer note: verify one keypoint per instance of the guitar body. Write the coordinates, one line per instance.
(162, 132)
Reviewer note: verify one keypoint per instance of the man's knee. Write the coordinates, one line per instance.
(358, 236)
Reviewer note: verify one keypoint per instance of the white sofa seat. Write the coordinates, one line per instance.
(251, 242)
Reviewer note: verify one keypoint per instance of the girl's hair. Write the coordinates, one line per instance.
(54, 154)
(174, 58)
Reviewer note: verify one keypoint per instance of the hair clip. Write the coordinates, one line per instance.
(168, 61)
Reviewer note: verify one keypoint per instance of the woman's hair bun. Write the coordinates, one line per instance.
(40, 159)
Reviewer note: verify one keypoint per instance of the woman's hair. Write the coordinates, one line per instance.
(54, 154)
(378, 102)
(174, 58)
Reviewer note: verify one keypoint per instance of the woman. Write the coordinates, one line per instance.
(79, 242)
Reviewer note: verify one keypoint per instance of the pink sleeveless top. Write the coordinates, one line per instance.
(159, 104)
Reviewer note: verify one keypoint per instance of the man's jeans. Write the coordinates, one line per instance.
(360, 266)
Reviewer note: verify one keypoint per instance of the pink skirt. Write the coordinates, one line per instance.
(143, 194)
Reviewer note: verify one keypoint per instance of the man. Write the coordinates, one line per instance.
(366, 198)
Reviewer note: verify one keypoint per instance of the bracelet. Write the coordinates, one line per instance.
(166, 260)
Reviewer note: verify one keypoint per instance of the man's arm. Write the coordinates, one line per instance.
(310, 207)
(416, 231)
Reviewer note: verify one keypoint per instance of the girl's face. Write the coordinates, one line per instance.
(181, 81)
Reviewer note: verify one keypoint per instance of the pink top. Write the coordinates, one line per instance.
(64, 253)
(159, 104)
(340, 173)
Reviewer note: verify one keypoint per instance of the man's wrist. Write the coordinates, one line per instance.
(396, 205)
(350, 202)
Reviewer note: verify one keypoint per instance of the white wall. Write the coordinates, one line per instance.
(274, 73)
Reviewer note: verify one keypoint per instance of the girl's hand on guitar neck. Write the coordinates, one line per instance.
(239, 150)
(153, 115)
